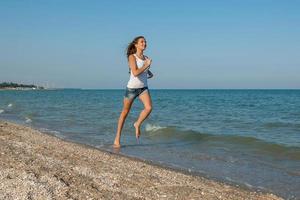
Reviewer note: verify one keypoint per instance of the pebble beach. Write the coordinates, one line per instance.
(35, 165)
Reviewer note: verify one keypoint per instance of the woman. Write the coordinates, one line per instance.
(137, 86)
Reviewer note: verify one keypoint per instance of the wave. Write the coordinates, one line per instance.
(153, 127)
(52, 132)
(228, 141)
(9, 105)
(1, 111)
(28, 120)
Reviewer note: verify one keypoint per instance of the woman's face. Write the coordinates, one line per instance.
(141, 44)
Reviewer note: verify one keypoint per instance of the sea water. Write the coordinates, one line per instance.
(245, 137)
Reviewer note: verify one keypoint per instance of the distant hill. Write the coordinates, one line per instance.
(11, 85)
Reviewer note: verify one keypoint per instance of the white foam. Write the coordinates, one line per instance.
(28, 120)
(54, 132)
(1, 111)
(49, 131)
(9, 105)
(153, 127)
(248, 185)
(43, 129)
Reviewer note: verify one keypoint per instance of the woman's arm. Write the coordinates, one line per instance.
(135, 70)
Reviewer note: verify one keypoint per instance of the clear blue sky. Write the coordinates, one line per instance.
(193, 44)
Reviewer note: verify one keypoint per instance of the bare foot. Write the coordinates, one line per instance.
(116, 144)
(137, 130)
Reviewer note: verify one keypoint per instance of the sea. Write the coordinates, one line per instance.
(246, 137)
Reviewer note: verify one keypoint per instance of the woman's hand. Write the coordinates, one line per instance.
(148, 61)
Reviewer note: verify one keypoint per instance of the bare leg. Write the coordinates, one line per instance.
(146, 100)
(126, 108)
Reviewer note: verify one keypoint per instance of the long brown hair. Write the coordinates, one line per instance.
(131, 49)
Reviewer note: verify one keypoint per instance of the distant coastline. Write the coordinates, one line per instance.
(16, 86)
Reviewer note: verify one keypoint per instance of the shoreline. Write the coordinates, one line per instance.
(33, 167)
(163, 166)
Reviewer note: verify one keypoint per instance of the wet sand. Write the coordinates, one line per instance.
(34, 165)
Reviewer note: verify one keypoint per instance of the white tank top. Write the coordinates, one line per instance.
(139, 81)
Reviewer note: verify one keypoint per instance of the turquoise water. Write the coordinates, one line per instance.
(248, 137)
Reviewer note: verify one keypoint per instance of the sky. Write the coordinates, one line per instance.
(232, 44)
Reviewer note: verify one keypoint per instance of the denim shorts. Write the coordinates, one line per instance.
(132, 93)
